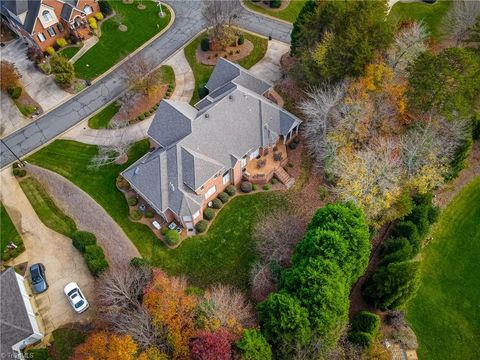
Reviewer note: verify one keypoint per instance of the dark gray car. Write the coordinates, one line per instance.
(38, 279)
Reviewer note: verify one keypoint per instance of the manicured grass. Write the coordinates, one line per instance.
(431, 14)
(445, 312)
(101, 119)
(202, 72)
(114, 44)
(26, 110)
(289, 14)
(8, 233)
(224, 254)
(69, 52)
(48, 212)
(64, 342)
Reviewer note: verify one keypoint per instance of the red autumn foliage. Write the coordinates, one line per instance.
(211, 346)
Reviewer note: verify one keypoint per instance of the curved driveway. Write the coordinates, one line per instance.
(188, 22)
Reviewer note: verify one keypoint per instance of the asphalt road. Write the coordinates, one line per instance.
(188, 22)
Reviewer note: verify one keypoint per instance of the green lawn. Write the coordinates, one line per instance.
(445, 313)
(224, 254)
(69, 52)
(431, 14)
(114, 44)
(102, 118)
(64, 342)
(289, 14)
(202, 72)
(48, 212)
(8, 233)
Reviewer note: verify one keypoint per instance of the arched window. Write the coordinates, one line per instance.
(47, 16)
(87, 10)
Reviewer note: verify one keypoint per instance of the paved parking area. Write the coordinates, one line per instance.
(62, 261)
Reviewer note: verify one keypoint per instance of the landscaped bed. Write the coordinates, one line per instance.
(115, 44)
(223, 255)
(8, 234)
(288, 13)
(449, 295)
(202, 72)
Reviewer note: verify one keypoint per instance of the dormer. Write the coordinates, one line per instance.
(47, 16)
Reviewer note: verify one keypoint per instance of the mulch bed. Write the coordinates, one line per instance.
(232, 53)
(266, 5)
(27, 100)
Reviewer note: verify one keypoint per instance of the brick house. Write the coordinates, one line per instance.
(201, 149)
(41, 22)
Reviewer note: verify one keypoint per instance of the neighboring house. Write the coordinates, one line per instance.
(19, 327)
(201, 150)
(41, 22)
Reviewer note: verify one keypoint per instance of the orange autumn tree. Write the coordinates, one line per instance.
(104, 346)
(172, 309)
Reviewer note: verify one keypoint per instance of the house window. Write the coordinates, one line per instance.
(226, 177)
(87, 10)
(51, 31)
(60, 27)
(41, 37)
(47, 16)
(196, 215)
(210, 192)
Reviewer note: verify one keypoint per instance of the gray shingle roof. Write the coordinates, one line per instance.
(14, 322)
(198, 143)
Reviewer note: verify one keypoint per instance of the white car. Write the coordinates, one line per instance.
(76, 297)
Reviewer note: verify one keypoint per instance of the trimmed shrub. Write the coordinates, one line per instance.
(92, 23)
(82, 239)
(99, 16)
(360, 338)
(223, 196)
(139, 262)
(132, 200)
(274, 181)
(202, 91)
(15, 165)
(136, 215)
(95, 259)
(246, 186)
(164, 230)
(254, 187)
(105, 7)
(275, 4)
(396, 250)
(241, 39)
(365, 321)
(172, 237)
(15, 92)
(231, 190)
(266, 187)
(405, 229)
(50, 50)
(201, 226)
(94, 252)
(149, 214)
(141, 117)
(61, 42)
(18, 172)
(205, 44)
(216, 203)
(208, 214)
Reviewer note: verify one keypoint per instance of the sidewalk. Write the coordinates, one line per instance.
(87, 45)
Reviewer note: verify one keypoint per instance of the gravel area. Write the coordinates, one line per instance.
(88, 215)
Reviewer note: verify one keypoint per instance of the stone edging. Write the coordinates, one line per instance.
(262, 14)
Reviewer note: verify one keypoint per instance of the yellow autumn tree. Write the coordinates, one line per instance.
(105, 346)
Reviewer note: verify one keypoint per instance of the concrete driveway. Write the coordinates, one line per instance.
(40, 87)
(62, 261)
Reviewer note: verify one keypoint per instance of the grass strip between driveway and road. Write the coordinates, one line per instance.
(224, 255)
(202, 72)
(445, 312)
(114, 45)
(48, 212)
(289, 14)
(8, 233)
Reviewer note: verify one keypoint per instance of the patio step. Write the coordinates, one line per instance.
(284, 177)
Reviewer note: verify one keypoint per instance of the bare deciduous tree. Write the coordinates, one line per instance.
(408, 44)
(262, 282)
(460, 18)
(220, 16)
(114, 152)
(139, 74)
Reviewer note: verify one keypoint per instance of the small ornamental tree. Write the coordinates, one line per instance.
(9, 75)
(63, 69)
(211, 346)
(105, 346)
(254, 346)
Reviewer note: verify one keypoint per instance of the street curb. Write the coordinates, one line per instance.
(121, 62)
(265, 15)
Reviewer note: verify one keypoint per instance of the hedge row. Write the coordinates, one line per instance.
(86, 243)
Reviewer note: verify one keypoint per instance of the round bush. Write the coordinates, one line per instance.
(149, 214)
(274, 181)
(241, 39)
(139, 262)
(367, 322)
(216, 203)
(132, 200)
(201, 226)
(246, 186)
(266, 187)
(61, 42)
(82, 239)
(205, 44)
(172, 237)
(136, 215)
(15, 92)
(50, 50)
(96, 266)
(360, 338)
(208, 214)
(94, 252)
(275, 4)
(99, 16)
(18, 172)
(231, 190)
(141, 117)
(255, 187)
(223, 196)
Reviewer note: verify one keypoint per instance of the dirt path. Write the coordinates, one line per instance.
(88, 215)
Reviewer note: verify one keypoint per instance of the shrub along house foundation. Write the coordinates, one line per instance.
(202, 149)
